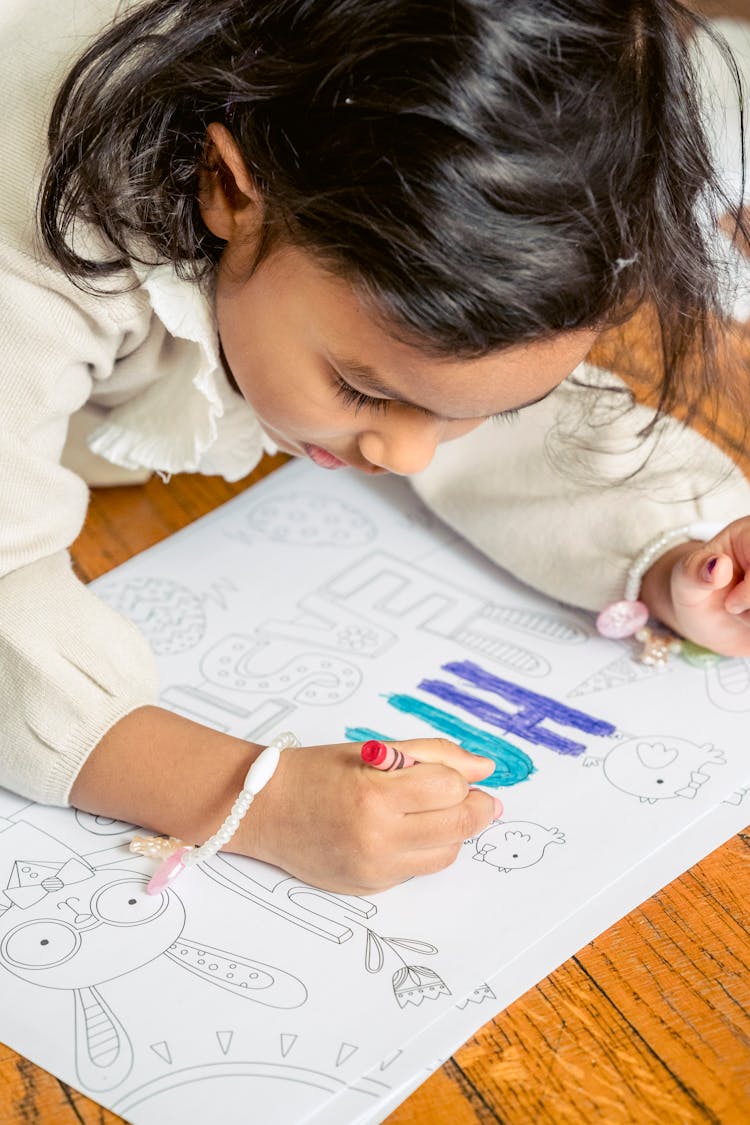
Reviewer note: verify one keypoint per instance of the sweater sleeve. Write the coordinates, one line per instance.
(565, 497)
(69, 666)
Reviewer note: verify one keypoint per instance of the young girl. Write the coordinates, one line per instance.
(352, 230)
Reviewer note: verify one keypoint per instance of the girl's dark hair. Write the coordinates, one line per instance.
(489, 172)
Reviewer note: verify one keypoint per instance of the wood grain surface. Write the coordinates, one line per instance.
(649, 1023)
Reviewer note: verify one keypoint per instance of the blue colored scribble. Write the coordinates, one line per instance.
(489, 748)
(364, 734)
(511, 764)
(533, 708)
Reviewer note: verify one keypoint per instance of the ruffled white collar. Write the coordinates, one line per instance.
(189, 419)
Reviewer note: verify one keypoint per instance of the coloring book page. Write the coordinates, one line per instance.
(337, 607)
(410, 1064)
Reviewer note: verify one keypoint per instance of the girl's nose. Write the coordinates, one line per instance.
(403, 445)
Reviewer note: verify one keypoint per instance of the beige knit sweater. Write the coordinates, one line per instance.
(139, 376)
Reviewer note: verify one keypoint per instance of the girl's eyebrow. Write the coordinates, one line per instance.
(370, 382)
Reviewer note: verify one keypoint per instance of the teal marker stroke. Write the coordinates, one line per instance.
(365, 734)
(511, 764)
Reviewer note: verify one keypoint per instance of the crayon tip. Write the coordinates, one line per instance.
(373, 752)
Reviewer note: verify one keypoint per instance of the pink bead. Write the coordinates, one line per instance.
(622, 619)
(167, 872)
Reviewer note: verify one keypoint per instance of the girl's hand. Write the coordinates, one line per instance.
(339, 824)
(702, 590)
(324, 816)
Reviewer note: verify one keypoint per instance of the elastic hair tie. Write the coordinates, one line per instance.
(176, 855)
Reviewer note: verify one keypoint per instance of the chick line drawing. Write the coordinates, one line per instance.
(659, 767)
(511, 845)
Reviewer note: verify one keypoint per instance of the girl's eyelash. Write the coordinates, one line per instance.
(360, 401)
(350, 396)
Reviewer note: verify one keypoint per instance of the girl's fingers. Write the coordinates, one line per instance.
(447, 753)
(699, 575)
(426, 862)
(438, 828)
(738, 600)
(704, 573)
(424, 788)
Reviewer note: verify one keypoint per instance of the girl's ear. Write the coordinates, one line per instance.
(229, 200)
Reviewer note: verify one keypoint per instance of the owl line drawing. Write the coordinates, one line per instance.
(74, 923)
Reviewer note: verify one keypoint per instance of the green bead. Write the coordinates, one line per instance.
(698, 656)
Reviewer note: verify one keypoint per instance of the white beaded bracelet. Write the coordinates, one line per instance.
(176, 855)
(625, 617)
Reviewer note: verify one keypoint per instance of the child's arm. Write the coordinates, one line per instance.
(70, 667)
(78, 682)
(568, 495)
(323, 817)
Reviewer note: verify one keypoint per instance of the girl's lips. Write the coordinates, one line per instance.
(323, 458)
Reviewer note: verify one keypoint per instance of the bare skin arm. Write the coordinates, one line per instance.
(323, 816)
(164, 772)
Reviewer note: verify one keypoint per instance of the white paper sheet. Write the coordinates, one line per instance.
(334, 606)
(410, 1065)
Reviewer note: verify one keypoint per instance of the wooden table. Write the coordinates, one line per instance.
(649, 1023)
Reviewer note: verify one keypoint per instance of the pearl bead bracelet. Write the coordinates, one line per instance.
(176, 855)
(626, 617)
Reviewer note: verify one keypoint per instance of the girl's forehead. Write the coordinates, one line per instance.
(330, 317)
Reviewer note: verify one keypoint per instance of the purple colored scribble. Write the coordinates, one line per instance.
(527, 721)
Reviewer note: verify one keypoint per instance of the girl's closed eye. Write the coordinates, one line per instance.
(350, 396)
(361, 401)
(505, 416)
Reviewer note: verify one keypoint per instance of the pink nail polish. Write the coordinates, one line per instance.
(497, 804)
(709, 568)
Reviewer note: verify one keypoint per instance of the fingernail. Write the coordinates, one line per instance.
(709, 568)
(735, 610)
(497, 806)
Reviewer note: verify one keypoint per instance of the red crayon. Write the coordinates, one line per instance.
(382, 757)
